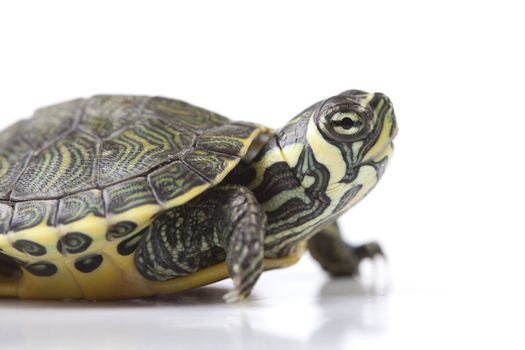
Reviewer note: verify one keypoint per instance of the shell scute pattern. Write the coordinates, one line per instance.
(140, 135)
(71, 177)
(208, 164)
(77, 206)
(51, 123)
(25, 139)
(69, 165)
(183, 114)
(33, 213)
(225, 138)
(228, 145)
(106, 114)
(14, 154)
(139, 148)
(174, 180)
(6, 213)
(127, 195)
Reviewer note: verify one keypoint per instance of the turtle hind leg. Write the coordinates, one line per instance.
(337, 257)
(10, 275)
(224, 224)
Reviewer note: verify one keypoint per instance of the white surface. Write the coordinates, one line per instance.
(294, 309)
(449, 211)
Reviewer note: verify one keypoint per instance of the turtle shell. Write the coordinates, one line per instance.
(80, 180)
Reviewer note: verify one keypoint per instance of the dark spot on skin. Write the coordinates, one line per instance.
(88, 263)
(29, 247)
(42, 269)
(73, 243)
(129, 245)
(121, 229)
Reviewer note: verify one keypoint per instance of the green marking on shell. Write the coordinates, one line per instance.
(173, 181)
(77, 206)
(50, 123)
(5, 217)
(86, 144)
(107, 114)
(208, 164)
(139, 148)
(33, 213)
(127, 195)
(14, 153)
(69, 164)
(182, 113)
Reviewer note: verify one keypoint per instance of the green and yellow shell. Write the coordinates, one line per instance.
(80, 180)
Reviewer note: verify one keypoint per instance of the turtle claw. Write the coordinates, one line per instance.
(238, 294)
(370, 250)
(234, 297)
(374, 273)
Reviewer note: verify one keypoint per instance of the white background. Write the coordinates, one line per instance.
(449, 211)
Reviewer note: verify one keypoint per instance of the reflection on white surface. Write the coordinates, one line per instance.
(297, 308)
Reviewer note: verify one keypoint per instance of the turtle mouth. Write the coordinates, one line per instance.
(384, 144)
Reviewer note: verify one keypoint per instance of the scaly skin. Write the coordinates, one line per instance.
(226, 219)
(304, 179)
(335, 256)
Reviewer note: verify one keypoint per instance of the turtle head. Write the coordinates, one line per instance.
(361, 125)
(339, 147)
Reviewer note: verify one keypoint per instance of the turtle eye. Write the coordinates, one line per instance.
(346, 123)
(343, 119)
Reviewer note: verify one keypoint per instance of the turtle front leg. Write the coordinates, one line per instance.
(242, 237)
(337, 257)
(225, 223)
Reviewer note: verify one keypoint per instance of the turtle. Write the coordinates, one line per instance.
(124, 196)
